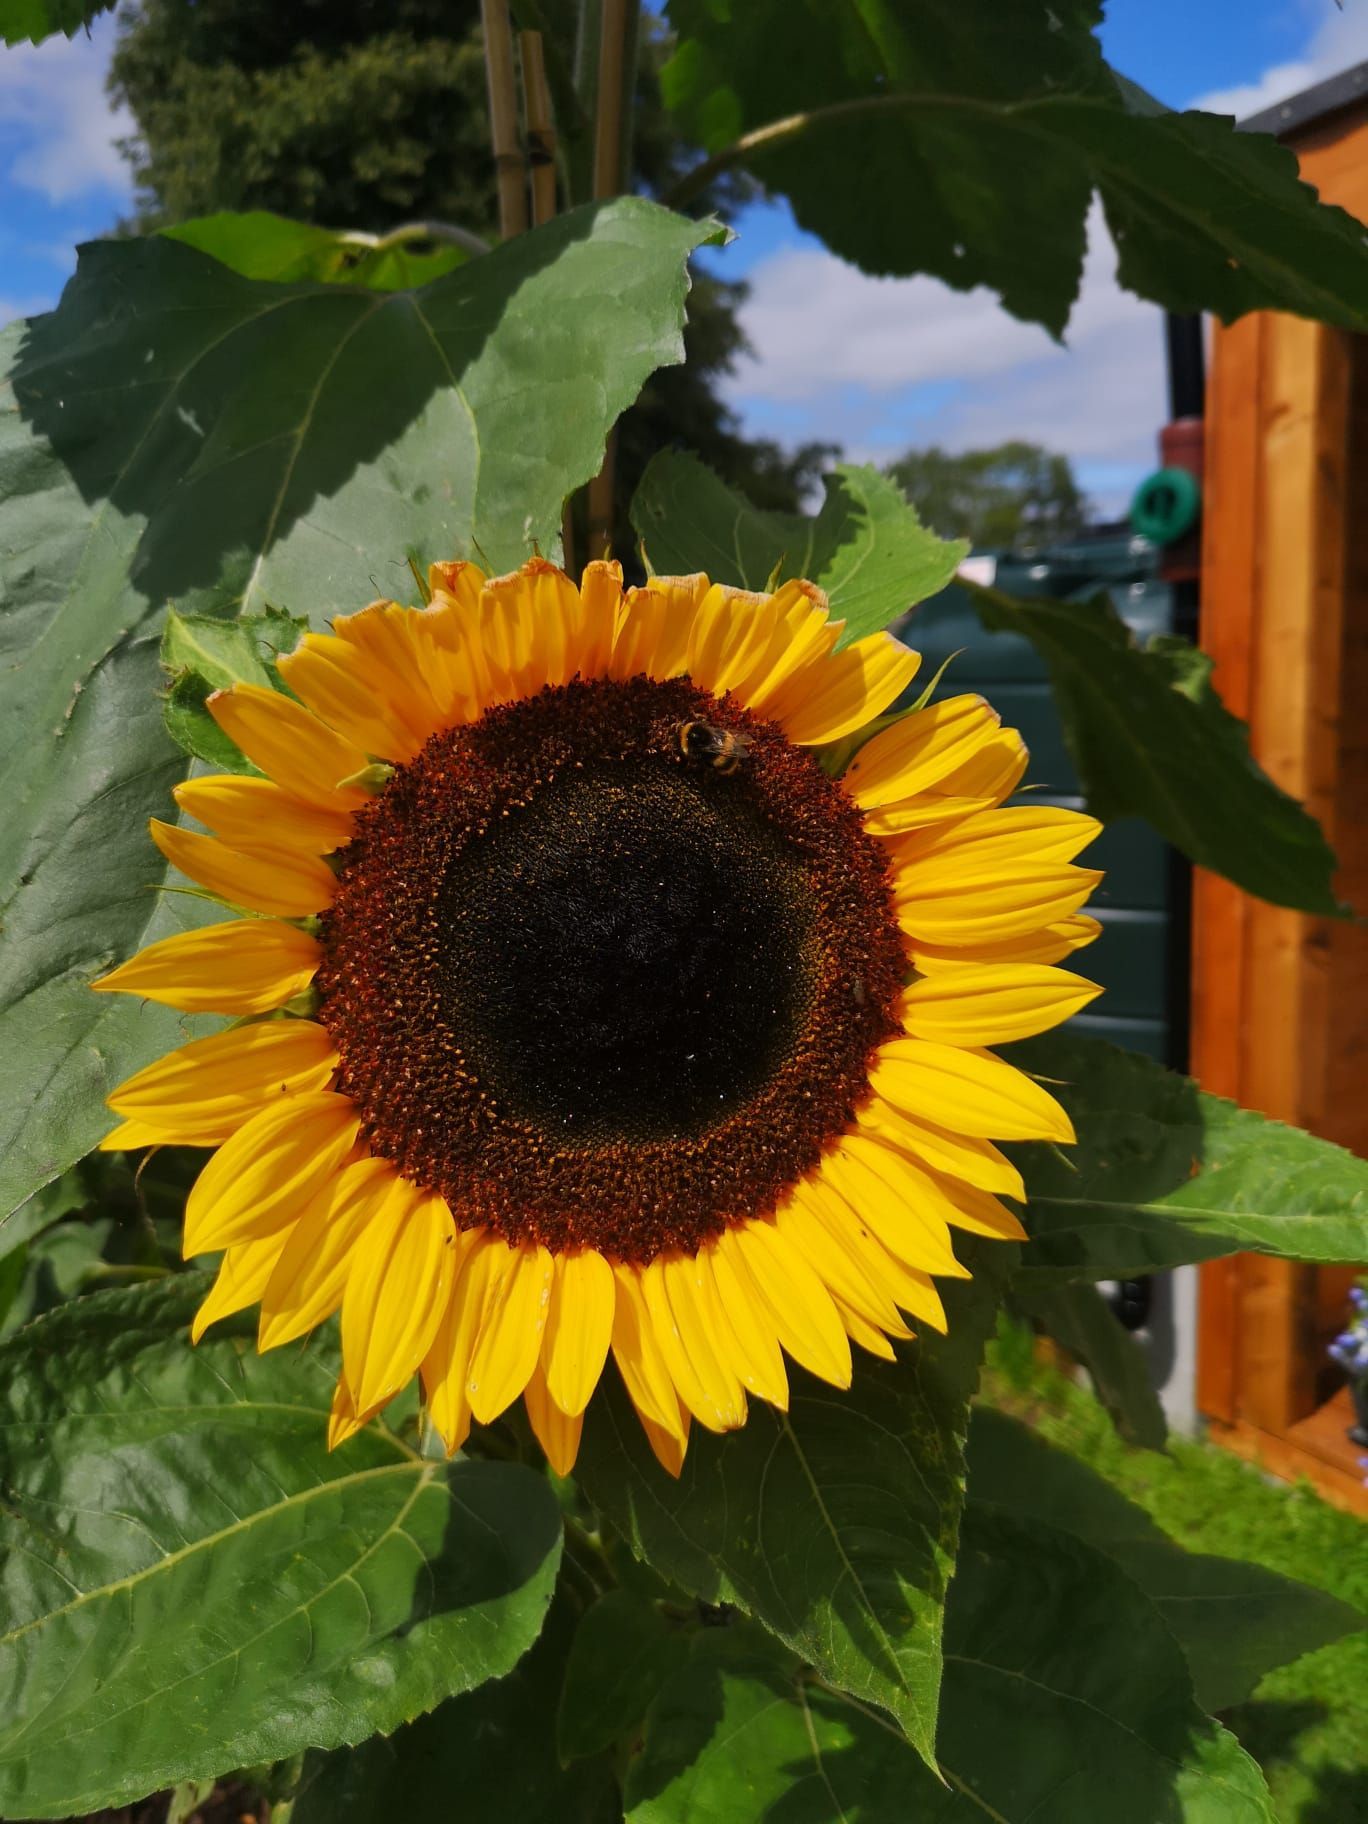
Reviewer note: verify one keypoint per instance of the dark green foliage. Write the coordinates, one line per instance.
(1164, 1174)
(1012, 495)
(965, 139)
(193, 1583)
(1150, 737)
(359, 441)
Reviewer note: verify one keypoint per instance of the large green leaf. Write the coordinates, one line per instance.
(486, 1758)
(834, 1523)
(30, 21)
(1081, 1319)
(967, 139)
(1066, 1700)
(1234, 1620)
(622, 1652)
(866, 547)
(192, 1583)
(1151, 738)
(1163, 1174)
(178, 432)
(260, 245)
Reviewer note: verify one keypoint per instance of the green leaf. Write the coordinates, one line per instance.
(203, 654)
(1081, 1319)
(834, 1523)
(866, 547)
(176, 432)
(1065, 1700)
(193, 1583)
(621, 1654)
(486, 1758)
(1151, 738)
(1163, 1174)
(260, 245)
(30, 21)
(1234, 1620)
(967, 140)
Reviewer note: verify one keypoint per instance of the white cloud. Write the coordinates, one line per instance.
(1339, 39)
(882, 364)
(57, 125)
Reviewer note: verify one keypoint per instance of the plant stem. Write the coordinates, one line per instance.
(775, 132)
(541, 130)
(451, 232)
(510, 166)
(612, 140)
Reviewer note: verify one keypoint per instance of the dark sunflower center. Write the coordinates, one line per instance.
(628, 955)
(607, 967)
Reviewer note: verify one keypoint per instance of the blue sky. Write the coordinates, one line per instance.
(875, 365)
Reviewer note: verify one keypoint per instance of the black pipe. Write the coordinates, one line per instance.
(1186, 365)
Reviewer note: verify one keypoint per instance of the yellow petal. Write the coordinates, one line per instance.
(254, 813)
(344, 1421)
(992, 1003)
(940, 902)
(795, 1300)
(802, 1222)
(601, 598)
(337, 681)
(242, 1276)
(557, 1432)
(1021, 832)
(579, 1327)
(969, 1092)
(640, 1359)
(743, 1330)
(511, 1327)
(833, 697)
(668, 1443)
(654, 627)
(1048, 945)
(709, 1386)
(455, 586)
(959, 1205)
(446, 1366)
(397, 1290)
(201, 1094)
(977, 1162)
(285, 884)
(910, 1289)
(915, 1231)
(311, 1273)
(246, 965)
(711, 1392)
(290, 745)
(920, 751)
(261, 1179)
(860, 1330)
(129, 1137)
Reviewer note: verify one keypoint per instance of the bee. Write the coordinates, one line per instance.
(722, 748)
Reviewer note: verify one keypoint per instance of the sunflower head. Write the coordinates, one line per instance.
(580, 1008)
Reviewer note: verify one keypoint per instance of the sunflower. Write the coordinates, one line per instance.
(581, 1008)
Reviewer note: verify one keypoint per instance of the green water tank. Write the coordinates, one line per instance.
(1140, 959)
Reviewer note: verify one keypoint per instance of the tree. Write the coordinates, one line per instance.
(357, 114)
(1017, 493)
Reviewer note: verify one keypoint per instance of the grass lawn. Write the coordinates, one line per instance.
(1308, 1723)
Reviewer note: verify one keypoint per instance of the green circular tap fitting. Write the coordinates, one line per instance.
(1166, 505)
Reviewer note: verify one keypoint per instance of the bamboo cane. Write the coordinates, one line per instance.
(510, 165)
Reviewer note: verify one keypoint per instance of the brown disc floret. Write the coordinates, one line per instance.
(602, 985)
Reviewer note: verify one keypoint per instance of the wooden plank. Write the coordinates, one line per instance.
(1296, 1458)
(1230, 557)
